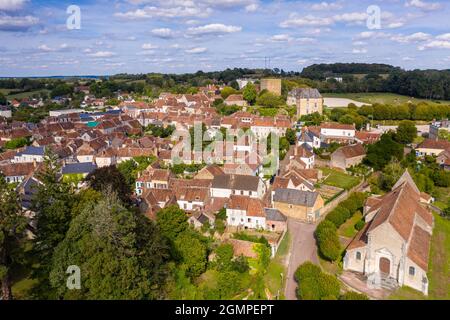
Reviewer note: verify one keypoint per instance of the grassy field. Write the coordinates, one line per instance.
(439, 266)
(442, 196)
(277, 266)
(26, 94)
(339, 179)
(348, 228)
(383, 98)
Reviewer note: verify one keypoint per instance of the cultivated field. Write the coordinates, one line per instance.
(383, 98)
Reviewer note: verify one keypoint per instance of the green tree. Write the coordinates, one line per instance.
(406, 132)
(250, 93)
(110, 179)
(172, 221)
(12, 236)
(227, 91)
(382, 152)
(3, 100)
(269, 100)
(192, 253)
(52, 203)
(390, 175)
(121, 255)
(291, 136)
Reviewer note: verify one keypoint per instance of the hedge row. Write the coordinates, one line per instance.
(326, 232)
(346, 209)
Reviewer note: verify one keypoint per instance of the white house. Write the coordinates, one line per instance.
(246, 212)
(223, 186)
(29, 155)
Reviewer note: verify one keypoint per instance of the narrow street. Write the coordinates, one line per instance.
(303, 248)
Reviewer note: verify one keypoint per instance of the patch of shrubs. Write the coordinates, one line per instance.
(328, 240)
(313, 284)
(360, 225)
(326, 232)
(346, 209)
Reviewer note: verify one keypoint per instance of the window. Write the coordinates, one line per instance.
(412, 271)
(358, 255)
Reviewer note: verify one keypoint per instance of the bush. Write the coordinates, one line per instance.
(360, 225)
(328, 240)
(313, 284)
(338, 216)
(353, 296)
(307, 270)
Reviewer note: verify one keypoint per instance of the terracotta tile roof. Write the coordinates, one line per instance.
(336, 125)
(17, 169)
(253, 207)
(419, 247)
(435, 144)
(352, 151)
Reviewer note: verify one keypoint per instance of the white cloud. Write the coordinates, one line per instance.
(445, 36)
(359, 51)
(326, 6)
(149, 46)
(371, 35)
(170, 12)
(102, 54)
(12, 5)
(215, 29)
(352, 17)
(281, 38)
(302, 21)
(15, 23)
(394, 25)
(436, 44)
(164, 33)
(408, 59)
(44, 47)
(415, 37)
(423, 5)
(196, 50)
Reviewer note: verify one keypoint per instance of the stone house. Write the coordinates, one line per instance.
(306, 100)
(348, 156)
(303, 205)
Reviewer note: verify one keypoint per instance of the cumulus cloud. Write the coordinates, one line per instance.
(102, 54)
(281, 38)
(163, 33)
(445, 36)
(305, 21)
(415, 37)
(423, 5)
(12, 5)
(213, 29)
(17, 23)
(359, 50)
(170, 12)
(436, 44)
(326, 6)
(149, 46)
(196, 50)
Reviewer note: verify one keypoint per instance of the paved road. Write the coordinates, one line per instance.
(303, 248)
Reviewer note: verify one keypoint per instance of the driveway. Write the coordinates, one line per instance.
(303, 248)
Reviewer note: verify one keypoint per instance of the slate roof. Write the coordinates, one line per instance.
(305, 93)
(35, 151)
(79, 168)
(295, 197)
(236, 182)
(274, 215)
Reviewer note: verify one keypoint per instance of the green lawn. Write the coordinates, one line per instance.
(26, 94)
(339, 179)
(442, 196)
(383, 98)
(277, 266)
(348, 228)
(439, 266)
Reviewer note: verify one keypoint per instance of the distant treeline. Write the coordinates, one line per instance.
(357, 78)
(426, 84)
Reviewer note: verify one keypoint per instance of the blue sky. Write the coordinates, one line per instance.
(175, 36)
